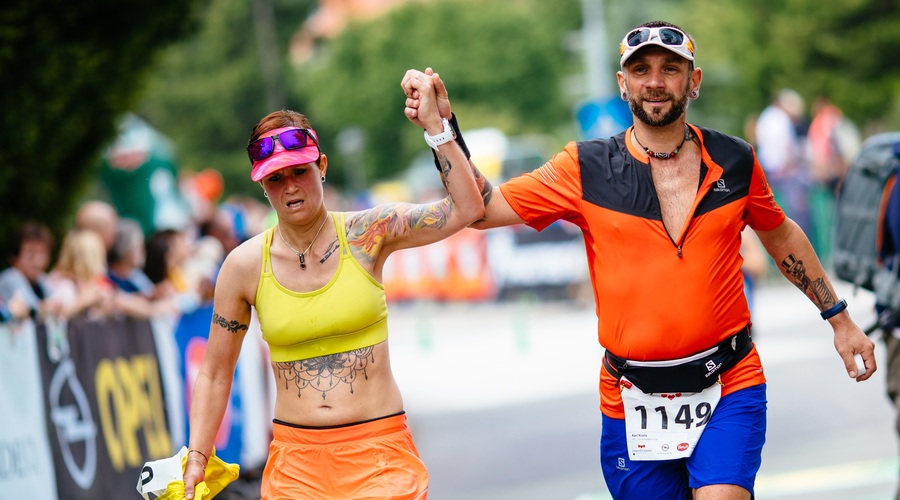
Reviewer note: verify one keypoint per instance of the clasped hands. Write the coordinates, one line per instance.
(427, 101)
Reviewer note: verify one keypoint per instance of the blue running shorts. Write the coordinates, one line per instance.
(729, 452)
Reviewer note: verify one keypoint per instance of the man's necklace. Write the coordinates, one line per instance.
(661, 156)
(302, 255)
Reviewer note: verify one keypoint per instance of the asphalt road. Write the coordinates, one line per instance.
(503, 405)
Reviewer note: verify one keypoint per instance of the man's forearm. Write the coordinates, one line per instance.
(443, 165)
(797, 261)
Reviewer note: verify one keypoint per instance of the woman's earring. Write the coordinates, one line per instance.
(265, 194)
(323, 179)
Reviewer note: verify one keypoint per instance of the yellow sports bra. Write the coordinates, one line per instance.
(350, 312)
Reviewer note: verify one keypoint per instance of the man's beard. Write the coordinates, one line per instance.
(679, 106)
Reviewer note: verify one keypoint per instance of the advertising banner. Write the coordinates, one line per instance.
(105, 404)
(26, 466)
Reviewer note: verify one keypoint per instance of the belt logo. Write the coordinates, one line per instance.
(712, 367)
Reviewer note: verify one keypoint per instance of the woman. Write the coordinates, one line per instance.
(28, 258)
(135, 290)
(315, 281)
(78, 281)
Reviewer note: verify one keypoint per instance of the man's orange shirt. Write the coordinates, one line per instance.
(656, 299)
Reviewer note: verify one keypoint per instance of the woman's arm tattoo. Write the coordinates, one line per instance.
(325, 373)
(368, 229)
(232, 325)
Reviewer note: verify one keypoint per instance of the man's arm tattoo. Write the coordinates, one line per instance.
(487, 190)
(446, 166)
(232, 325)
(484, 185)
(816, 289)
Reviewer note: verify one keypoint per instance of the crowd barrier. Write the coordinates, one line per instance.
(84, 404)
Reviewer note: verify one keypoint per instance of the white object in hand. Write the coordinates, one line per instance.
(860, 365)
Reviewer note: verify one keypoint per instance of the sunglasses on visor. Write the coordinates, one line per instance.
(263, 147)
(668, 36)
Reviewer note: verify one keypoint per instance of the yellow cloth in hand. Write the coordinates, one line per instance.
(218, 475)
(175, 491)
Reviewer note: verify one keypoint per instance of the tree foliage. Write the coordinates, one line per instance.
(503, 63)
(69, 70)
(843, 50)
(209, 90)
(68, 77)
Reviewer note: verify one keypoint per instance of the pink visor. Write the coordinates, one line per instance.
(283, 158)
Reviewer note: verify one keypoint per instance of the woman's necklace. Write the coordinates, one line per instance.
(662, 156)
(302, 255)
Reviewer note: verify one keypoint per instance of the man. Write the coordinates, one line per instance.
(662, 206)
(781, 152)
(887, 287)
(100, 217)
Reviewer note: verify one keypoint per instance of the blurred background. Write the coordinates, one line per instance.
(200, 73)
(148, 106)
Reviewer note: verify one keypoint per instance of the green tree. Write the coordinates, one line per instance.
(503, 63)
(209, 90)
(749, 49)
(69, 71)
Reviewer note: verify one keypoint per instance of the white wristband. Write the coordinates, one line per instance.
(444, 137)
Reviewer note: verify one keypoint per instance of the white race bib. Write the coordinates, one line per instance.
(666, 426)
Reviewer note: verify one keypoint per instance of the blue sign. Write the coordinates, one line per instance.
(602, 117)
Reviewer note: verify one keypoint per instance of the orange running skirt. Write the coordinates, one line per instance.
(370, 460)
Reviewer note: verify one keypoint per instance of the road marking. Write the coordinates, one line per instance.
(844, 476)
(831, 478)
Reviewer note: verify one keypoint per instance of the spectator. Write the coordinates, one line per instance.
(126, 262)
(833, 141)
(79, 280)
(168, 251)
(15, 309)
(221, 227)
(781, 154)
(100, 217)
(755, 264)
(887, 288)
(29, 258)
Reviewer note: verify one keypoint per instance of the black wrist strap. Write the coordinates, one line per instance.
(459, 140)
(834, 310)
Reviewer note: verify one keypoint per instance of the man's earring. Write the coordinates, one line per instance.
(323, 179)
(624, 96)
(695, 94)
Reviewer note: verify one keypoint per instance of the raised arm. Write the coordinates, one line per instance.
(497, 210)
(407, 225)
(797, 261)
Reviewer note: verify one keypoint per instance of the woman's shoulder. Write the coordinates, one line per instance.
(246, 256)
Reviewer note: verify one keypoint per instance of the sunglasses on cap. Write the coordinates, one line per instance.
(297, 138)
(664, 36)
